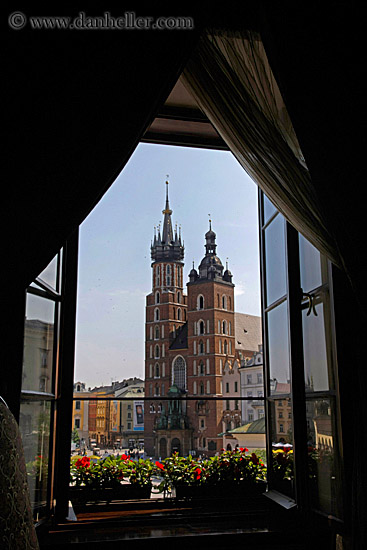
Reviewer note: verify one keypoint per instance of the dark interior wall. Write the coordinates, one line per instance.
(78, 104)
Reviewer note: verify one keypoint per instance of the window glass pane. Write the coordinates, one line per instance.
(279, 368)
(323, 457)
(310, 265)
(38, 344)
(281, 436)
(34, 424)
(269, 208)
(275, 260)
(317, 349)
(49, 275)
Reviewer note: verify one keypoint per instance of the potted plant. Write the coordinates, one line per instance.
(109, 479)
(232, 473)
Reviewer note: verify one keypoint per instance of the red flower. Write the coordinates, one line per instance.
(198, 473)
(124, 457)
(159, 465)
(255, 460)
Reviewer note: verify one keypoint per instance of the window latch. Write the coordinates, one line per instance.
(311, 303)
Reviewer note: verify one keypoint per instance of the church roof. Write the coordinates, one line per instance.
(247, 332)
(180, 342)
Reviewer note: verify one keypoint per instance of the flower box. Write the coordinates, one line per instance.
(221, 491)
(81, 496)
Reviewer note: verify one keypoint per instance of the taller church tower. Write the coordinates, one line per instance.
(166, 313)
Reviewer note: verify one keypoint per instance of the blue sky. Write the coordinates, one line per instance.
(115, 265)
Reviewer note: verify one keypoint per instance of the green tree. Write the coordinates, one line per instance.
(75, 436)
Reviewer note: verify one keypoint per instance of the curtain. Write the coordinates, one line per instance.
(231, 80)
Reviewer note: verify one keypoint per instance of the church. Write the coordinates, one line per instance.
(190, 339)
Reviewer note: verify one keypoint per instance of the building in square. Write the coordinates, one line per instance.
(190, 340)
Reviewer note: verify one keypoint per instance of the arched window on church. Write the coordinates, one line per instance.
(224, 301)
(156, 332)
(200, 303)
(157, 297)
(178, 297)
(201, 327)
(157, 276)
(179, 314)
(201, 368)
(179, 372)
(224, 324)
(201, 347)
(201, 388)
(156, 371)
(218, 301)
(156, 352)
(156, 314)
(225, 347)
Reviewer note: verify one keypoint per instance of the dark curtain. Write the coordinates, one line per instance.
(231, 79)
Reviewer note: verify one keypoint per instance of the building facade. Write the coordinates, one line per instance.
(190, 345)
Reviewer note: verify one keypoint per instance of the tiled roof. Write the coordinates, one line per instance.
(247, 332)
(180, 342)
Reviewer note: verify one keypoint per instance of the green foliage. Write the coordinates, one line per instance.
(75, 436)
(110, 472)
(235, 467)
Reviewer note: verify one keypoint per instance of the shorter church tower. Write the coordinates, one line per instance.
(211, 344)
(166, 313)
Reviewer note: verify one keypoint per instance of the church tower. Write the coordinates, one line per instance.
(166, 313)
(211, 344)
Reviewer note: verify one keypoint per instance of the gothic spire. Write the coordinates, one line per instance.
(168, 246)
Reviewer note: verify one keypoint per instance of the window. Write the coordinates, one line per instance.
(157, 298)
(77, 423)
(201, 368)
(156, 314)
(224, 325)
(201, 347)
(259, 378)
(201, 327)
(201, 388)
(249, 379)
(225, 347)
(179, 372)
(298, 358)
(156, 352)
(179, 314)
(200, 304)
(156, 371)
(236, 386)
(227, 387)
(179, 294)
(156, 333)
(224, 301)
(77, 405)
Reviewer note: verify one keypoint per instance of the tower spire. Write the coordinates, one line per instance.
(167, 235)
(168, 244)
